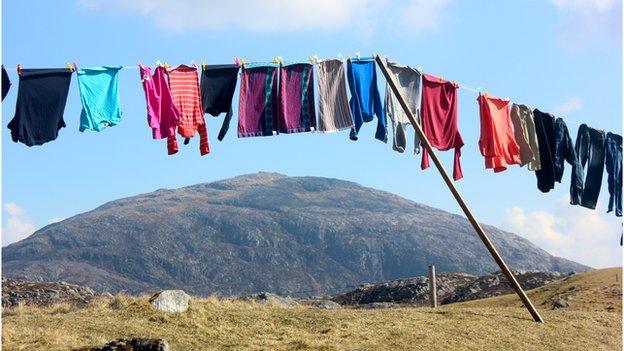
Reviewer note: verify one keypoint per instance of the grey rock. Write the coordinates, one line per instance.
(296, 236)
(170, 301)
(377, 305)
(323, 304)
(19, 293)
(272, 299)
(135, 344)
(559, 303)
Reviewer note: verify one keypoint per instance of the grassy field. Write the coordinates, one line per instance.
(213, 324)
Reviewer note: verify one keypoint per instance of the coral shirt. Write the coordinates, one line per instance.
(497, 142)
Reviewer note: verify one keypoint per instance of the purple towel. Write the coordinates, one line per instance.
(296, 99)
(258, 104)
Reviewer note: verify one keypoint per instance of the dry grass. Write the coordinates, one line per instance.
(214, 324)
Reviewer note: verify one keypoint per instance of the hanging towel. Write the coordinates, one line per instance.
(526, 137)
(218, 83)
(365, 100)
(590, 149)
(545, 130)
(333, 103)
(184, 85)
(99, 94)
(258, 101)
(408, 82)
(439, 120)
(296, 99)
(613, 164)
(497, 143)
(162, 114)
(6, 83)
(41, 98)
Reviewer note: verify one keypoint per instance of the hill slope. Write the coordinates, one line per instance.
(595, 290)
(262, 232)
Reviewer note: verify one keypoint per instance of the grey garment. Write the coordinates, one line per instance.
(408, 80)
(526, 137)
(333, 103)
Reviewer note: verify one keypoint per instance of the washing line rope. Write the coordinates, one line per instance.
(476, 91)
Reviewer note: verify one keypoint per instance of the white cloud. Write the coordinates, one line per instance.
(567, 107)
(587, 236)
(17, 225)
(589, 23)
(362, 16)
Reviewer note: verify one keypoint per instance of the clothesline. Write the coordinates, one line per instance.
(279, 59)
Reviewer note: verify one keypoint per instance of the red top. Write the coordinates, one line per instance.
(439, 119)
(497, 142)
(184, 85)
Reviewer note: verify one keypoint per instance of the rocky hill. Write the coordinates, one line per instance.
(262, 232)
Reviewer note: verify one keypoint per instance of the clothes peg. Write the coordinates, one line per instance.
(139, 64)
(75, 65)
(203, 65)
(158, 63)
(69, 67)
(19, 69)
(419, 69)
(357, 55)
(193, 63)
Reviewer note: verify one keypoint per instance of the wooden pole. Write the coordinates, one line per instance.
(433, 291)
(451, 185)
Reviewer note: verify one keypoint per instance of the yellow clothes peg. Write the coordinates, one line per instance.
(203, 65)
(70, 67)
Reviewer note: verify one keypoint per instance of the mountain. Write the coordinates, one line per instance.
(262, 232)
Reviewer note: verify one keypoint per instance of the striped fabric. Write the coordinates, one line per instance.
(296, 99)
(258, 101)
(334, 111)
(184, 84)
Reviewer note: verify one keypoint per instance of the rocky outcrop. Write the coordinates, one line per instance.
(451, 288)
(173, 301)
(135, 344)
(412, 291)
(18, 292)
(321, 303)
(497, 284)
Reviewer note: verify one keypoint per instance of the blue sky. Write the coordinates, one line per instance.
(561, 56)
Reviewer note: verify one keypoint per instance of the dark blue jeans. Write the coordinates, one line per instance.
(613, 163)
(590, 148)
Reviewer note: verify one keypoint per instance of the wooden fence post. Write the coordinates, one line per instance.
(433, 290)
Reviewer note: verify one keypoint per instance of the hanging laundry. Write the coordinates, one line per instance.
(525, 136)
(365, 100)
(408, 82)
(497, 143)
(99, 94)
(613, 164)
(545, 130)
(333, 103)
(439, 120)
(41, 98)
(258, 101)
(565, 151)
(6, 83)
(184, 85)
(162, 114)
(590, 149)
(296, 98)
(218, 83)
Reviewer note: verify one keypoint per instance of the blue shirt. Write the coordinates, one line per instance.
(365, 100)
(99, 93)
